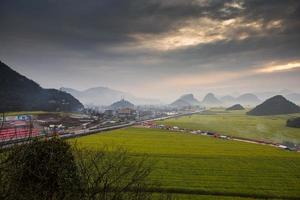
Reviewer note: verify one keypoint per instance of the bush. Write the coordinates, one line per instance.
(294, 122)
(53, 170)
(42, 170)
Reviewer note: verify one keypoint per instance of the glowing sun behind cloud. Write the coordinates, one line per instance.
(203, 31)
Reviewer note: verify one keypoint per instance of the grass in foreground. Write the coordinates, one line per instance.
(237, 123)
(204, 197)
(193, 164)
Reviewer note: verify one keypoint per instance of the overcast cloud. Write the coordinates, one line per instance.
(154, 48)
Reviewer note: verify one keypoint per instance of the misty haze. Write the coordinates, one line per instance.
(149, 99)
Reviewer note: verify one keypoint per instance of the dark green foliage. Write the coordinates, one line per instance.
(18, 93)
(294, 122)
(276, 105)
(42, 170)
(53, 170)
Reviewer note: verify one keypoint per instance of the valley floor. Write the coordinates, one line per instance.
(238, 124)
(200, 167)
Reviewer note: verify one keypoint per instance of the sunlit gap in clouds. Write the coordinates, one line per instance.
(213, 78)
(205, 30)
(281, 67)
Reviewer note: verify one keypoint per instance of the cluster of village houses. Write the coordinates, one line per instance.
(54, 123)
(21, 126)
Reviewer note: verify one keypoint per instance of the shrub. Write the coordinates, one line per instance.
(53, 170)
(42, 170)
(293, 122)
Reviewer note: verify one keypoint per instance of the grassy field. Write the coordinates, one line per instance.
(194, 164)
(237, 123)
(36, 113)
(203, 197)
(25, 113)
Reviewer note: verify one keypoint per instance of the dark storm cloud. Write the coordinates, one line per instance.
(119, 37)
(96, 22)
(230, 53)
(89, 22)
(84, 24)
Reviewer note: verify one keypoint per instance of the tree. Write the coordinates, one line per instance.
(42, 170)
(53, 170)
(114, 175)
(293, 122)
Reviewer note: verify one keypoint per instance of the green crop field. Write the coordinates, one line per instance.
(26, 113)
(37, 113)
(190, 165)
(203, 197)
(237, 123)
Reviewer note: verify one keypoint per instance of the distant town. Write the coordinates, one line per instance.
(120, 114)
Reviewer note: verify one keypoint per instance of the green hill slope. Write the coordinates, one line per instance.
(276, 105)
(19, 93)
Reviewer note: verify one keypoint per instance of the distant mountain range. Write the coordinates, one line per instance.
(290, 95)
(186, 101)
(103, 96)
(18, 93)
(275, 106)
(227, 99)
(248, 99)
(211, 100)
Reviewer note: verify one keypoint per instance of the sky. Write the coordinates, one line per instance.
(155, 48)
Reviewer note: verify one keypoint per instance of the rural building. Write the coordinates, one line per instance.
(126, 114)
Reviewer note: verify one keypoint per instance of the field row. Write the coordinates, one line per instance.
(197, 164)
